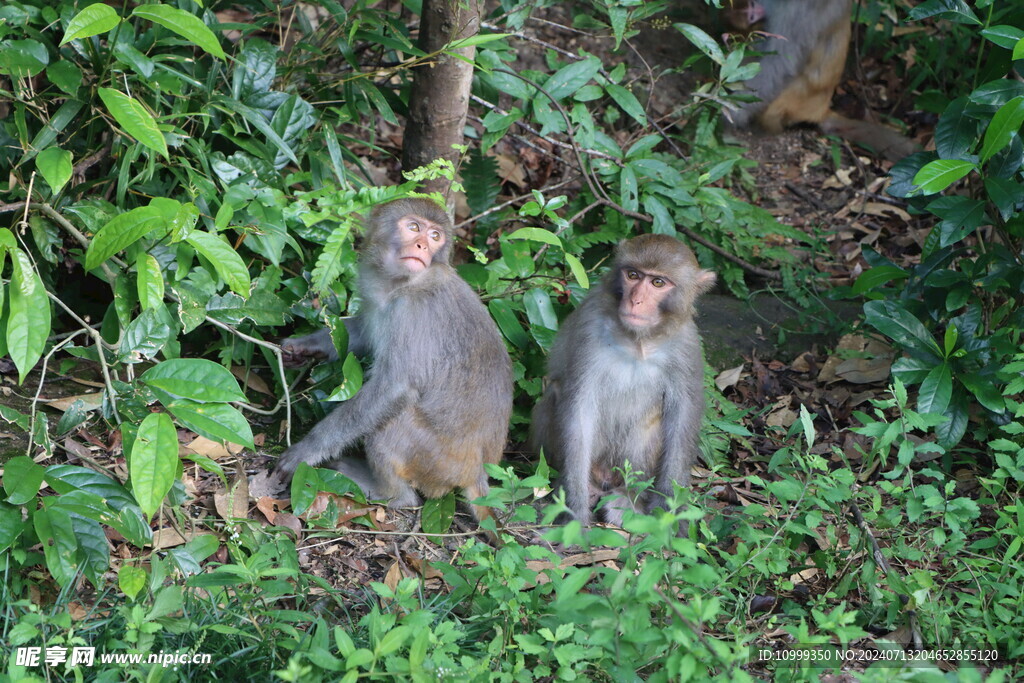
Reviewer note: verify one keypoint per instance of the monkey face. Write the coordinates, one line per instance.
(418, 242)
(643, 298)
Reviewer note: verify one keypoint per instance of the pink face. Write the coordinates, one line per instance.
(419, 239)
(642, 294)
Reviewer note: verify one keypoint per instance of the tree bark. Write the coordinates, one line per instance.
(440, 91)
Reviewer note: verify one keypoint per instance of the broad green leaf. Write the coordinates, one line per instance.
(702, 41)
(91, 21)
(184, 222)
(570, 78)
(936, 176)
(1005, 123)
(11, 525)
(60, 550)
(876, 277)
(224, 259)
(539, 309)
(1004, 36)
(894, 321)
(150, 281)
(218, 421)
(1018, 50)
(154, 462)
(23, 58)
(122, 231)
(22, 479)
(197, 379)
(936, 390)
(437, 514)
(956, 11)
(536, 235)
(985, 391)
(508, 323)
(131, 580)
(54, 165)
(187, 25)
(135, 120)
(65, 75)
(578, 271)
(28, 319)
(352, 373)
(628, 102)
(145, 336)
(259, 122)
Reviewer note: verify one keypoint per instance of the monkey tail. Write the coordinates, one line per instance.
(877, 138)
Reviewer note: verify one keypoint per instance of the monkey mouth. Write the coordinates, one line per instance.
(635, 320)
(414, 263)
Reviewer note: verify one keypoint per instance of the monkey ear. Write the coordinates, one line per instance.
(704, 281)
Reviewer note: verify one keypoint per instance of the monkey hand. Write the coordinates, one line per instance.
(299, 351)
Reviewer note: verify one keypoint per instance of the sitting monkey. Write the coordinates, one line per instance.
(437, 402)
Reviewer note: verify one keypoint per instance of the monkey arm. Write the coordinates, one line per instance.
(297, 351)
(575, 445)
(681, 436)
(378, 401)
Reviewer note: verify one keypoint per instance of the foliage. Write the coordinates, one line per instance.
(958, 314)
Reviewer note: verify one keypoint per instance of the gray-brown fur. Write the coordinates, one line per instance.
(437, 402)
(616, 393)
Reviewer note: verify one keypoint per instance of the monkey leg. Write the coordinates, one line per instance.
(360, 473)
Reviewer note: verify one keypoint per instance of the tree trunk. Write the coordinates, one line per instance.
(440, 92)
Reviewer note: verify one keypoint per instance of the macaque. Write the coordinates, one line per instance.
(805, 53)
(625, 379)
(438, 398)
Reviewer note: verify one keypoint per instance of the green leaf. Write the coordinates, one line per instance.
(936, 390)
(131, 580)
(28, 318)
(135, 120)
(22, 479)
(702, 41)
(508, 323)
(54, 165)
(874, 278)
(536, 235)
(188, 26)
(197, 379)
(936, 176)
(23, 58)
(146, 335)
(150, 281)
(894, 321)
(329, 263)
(122, 231)
(571, 78)
(578, 271)
(539, 309)
(1005, 123)
(1018, 50)
(217, 421)
(985, 391)
(628, 102)
(153, 462)
(954, 10)
(259, 122)
(91, 21)
(437, 514)
(225, 260)
(478, 39)
(1004, 36)
(352, 372)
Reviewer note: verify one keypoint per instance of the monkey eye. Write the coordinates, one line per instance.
(632, 275)
(658, 282)
(414, 226)
(435, 235)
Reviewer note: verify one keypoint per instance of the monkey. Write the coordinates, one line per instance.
(625, 379)
(438, 398)
(805, 53)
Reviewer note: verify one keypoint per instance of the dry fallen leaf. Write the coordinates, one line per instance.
(729, 378)
(89, 401)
